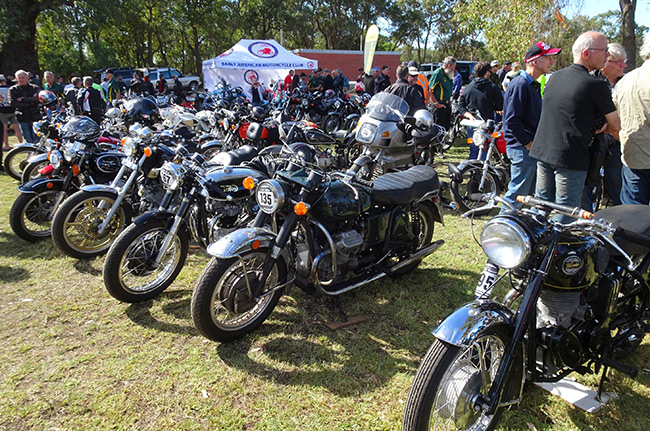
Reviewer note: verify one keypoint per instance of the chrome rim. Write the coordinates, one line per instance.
(38, 212)
(137, 273)
(19, 161)
(471, 183)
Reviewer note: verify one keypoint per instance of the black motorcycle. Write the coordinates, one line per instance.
(148, 255)
(76, 161)
(578, 301)
(334, 233)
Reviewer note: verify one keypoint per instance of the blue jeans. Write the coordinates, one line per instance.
(522, 174)
(636, 186)
(28, 132)
(473, 149)
(613, 175)
(560, 185)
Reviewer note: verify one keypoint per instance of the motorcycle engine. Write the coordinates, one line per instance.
(226, 216)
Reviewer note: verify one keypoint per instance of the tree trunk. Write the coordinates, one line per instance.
(19, 48)
(628, 7)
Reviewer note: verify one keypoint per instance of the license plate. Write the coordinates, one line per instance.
(266, 200)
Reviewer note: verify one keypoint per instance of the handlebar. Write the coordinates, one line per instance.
(563, 209)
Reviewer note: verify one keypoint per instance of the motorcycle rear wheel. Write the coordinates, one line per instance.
(222, 309)
(439, 398)
(129, 274)
(16, 160)
(471, 180)
(74, 227)
(31, 214)
(425, 236)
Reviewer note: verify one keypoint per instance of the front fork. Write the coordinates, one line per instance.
(178, 219)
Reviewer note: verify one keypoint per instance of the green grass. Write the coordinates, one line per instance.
(73, 358)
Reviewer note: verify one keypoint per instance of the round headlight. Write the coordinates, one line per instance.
(505, 243)
(128, 147)
(366, 133)
(478, 138)
(55, 159)
(270, 196)
(171, 175)
(68, 152)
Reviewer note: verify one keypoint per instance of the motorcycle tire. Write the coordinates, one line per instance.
(222, 292)
(331, 123)
(427, 221)
(471, 179)
(449, 374)
(31, 214)
(74, 226)
(128, 273)
(31, 170)
(16, 161)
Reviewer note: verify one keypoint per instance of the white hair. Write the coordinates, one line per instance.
(21, 72)
(645, 48)
(583, 42)
(47, 73)
(616, 50)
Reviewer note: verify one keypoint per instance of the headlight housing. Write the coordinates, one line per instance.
(270, 196)
(70, 150)
(505, 242)
(478, 138)
(128, 147)
(366, 133)
(55, 159)
(171, 176)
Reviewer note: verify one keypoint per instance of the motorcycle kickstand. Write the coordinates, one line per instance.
(601, 385)
(345, 321)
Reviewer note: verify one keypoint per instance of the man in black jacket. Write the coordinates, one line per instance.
(482, 96)
(24, 98)
(383, 80)
(412, 94)
(90, 101)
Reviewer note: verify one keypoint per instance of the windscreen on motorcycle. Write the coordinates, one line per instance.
(387, 107)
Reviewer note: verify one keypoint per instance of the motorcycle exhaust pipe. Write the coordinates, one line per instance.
(419, 255)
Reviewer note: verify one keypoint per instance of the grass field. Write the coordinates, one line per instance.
(73, 358)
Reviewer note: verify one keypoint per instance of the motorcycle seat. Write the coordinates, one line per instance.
(398, 188)
(236, 157)
(634, 218)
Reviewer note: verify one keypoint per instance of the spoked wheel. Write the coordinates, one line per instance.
(16, 160)
(31, 214)
(130, 271)
(449, 378)
(471, 185)
(426, 226)
(222, 308)
(331, 123)
(75, 227)
(31, 170)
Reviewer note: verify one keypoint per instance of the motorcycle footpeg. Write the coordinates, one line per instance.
(623, 368)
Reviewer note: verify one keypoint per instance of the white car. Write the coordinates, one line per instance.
(155, 73)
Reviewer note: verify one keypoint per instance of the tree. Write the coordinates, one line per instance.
(628, 7)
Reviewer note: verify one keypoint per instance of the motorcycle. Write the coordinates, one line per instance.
(148, 255)
(78, 160)
(334, 233)
(477, 177)
(88, 221)
(578, 301)
(17, 158)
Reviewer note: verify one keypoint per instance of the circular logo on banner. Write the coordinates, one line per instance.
(310, 64)
(225, 53)
(262, 50)
(249, 75)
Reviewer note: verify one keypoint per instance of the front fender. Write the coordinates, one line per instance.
(240, 241)
(152, 216)
(478, 164)
(99, 188)
(40, 157)
(38, 184)
(462, 325)
(32, 147)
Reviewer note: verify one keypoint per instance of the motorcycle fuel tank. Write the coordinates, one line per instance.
(342, 201)
(227, 183)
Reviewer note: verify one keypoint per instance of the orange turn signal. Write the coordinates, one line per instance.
(300, 208)
(495, 134)
(249, 183)
(147, 152)
(385, 134)
(256, 244)
(122, 141)
(75, 170)
(470, 140)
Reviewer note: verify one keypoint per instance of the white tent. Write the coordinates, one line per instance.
(265, 59)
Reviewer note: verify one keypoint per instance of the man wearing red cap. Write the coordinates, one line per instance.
(522, 107)
(573, 100)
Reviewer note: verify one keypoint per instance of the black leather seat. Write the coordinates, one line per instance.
(236, 157)
(635, 218)
(402, 187)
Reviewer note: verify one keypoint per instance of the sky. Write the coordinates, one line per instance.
(594, 7)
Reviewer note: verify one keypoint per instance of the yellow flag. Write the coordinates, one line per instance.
(369, 49)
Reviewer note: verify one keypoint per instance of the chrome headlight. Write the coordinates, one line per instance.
(128, 147)
(505, 243)
(478, 138)
(270, 196)
(366, 133)
(69, 151)
(55, 158)
(50, 145)
(171, 176)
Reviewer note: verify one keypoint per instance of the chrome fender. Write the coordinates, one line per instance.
(241, 241)
(40, 157)
(463, 324)
(99, 188)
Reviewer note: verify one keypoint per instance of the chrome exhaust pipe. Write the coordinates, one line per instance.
(418, 255)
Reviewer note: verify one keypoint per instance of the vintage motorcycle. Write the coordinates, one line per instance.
(578, 302)
(89, 220)
(334, 233)
(148, 255)
(75, 161)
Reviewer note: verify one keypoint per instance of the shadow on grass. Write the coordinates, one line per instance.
(85, 266)
(9, 274)
(13, 246)
(177, 303)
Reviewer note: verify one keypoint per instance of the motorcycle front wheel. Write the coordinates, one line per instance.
(222, 308)
(130, 273)
(471, 184)
(16, 160)
(31, 214)
(75, 224)
(331, 123)
(449, 376)
(31, 170)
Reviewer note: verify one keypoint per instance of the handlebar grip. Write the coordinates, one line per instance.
(362, 182)
(632, 236)
(564, 209)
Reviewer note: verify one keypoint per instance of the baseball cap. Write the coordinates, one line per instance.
(413, 71)
(375, 68)
(494, 63)
(413, 63)
(384, 67)
(538, 50)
